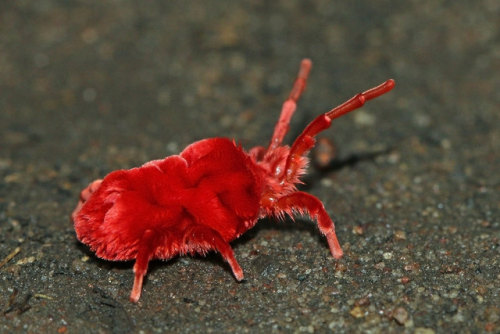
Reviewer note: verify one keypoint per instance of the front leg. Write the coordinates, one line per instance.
(305, 203)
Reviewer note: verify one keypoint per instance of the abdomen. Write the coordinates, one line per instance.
(212, 182)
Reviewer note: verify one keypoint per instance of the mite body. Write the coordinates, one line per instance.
(207, 196)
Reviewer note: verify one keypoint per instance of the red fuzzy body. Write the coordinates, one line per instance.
(207, 196)
(213, 183)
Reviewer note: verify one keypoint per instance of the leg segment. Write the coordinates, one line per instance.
(202, 238)
(306, 140)
(85, 194)
(290, 105)
(144, 255)
(305, 203)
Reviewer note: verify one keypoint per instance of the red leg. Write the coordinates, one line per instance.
(144, 255)
(85, 194)
(202, 238)
(306, 140)
(290, 105)
(305, 203)
(198, 239)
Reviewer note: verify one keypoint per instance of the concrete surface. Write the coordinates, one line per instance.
(90, 87)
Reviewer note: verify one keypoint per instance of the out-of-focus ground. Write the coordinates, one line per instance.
(90, 87)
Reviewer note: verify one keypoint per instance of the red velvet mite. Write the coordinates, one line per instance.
(208, 195)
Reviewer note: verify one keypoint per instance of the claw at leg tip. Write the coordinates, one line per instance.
(136, 289)
(239, 275)
(337, 254)
(334, 245)
(134, 296)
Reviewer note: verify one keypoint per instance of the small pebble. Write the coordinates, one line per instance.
(357, 312)
(26, 260)
(365, 301)
(400, 315)
(400, 235)
(358, 230)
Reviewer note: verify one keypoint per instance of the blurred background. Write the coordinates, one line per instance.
(87, 87)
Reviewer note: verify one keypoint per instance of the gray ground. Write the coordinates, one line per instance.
(87, 88)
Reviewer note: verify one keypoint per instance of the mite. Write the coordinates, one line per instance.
(208, 195)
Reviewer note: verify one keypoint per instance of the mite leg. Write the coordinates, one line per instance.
(290, 105)
(91, 188)
(306, 140)
(144, 254)
(202, 238)
(85, 194)
(305, 203)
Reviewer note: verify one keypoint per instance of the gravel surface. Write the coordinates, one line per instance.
(90, 87)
